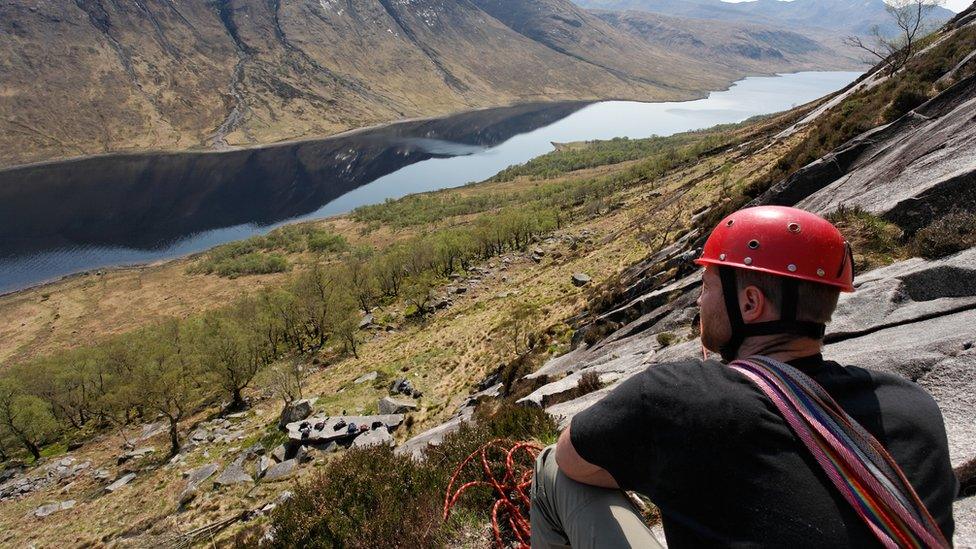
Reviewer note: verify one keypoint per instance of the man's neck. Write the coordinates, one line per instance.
(781, 348)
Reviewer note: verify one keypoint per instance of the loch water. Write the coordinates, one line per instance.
(78, 215)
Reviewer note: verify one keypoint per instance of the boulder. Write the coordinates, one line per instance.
(135, 454)
(200, 436)
(233, 474)
(200, 474)
(321, 430)
(45, 510)
(295, 411)
(417, 446)
(388, 405)
(581, 279)
(279, 453)
(188, 494)
(366, 322)
(263, 465)
(115, 486)
(282, 470)
(376, 437)
(365, 377)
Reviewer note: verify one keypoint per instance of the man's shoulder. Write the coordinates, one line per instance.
(705, 387)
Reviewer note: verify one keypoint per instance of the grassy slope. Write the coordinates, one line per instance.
(445, 355)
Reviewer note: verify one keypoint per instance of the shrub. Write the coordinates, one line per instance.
(966, 473)
(875, 242)
(375, 498)
(907, 97)
(326, 242)
(364, 498)
(250, 264)
(665, 338)
(945, 236)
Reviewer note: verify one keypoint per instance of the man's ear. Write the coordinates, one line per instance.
(752, 304)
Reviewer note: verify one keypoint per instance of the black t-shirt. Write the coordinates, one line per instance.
(713, 453)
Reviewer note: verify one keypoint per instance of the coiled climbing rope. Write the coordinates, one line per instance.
(511, 505)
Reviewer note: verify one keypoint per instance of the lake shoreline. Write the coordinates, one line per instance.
(318, 214)
(696, 96)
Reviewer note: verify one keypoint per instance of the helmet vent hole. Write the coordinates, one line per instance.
(793, 227)
(753, 244)
(729, 223)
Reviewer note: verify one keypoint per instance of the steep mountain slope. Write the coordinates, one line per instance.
(93, 76)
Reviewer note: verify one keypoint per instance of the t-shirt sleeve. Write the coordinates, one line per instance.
(600, 431)
(651, 427)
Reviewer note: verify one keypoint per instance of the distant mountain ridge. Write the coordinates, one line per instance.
(94, 76)
(838, 16)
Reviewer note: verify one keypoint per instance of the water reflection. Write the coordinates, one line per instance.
(66, 217)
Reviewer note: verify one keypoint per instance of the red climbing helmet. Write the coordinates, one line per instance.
(782, 241)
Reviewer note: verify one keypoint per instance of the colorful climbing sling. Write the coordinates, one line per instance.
(856, 463)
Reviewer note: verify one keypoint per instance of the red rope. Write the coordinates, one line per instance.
(512, 503)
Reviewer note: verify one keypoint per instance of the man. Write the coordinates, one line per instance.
(707, 446)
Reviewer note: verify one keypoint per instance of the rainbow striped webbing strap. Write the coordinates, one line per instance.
(857, 464)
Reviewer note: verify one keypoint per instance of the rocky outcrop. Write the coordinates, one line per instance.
(911, 171)
(322, 430)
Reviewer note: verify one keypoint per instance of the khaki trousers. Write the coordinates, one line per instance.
(566, 513)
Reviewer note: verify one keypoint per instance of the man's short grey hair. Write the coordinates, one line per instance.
(815, 302)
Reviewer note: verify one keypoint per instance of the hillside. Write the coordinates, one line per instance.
(568, 274)
(88, 77)
(734, 44)
(839, 17)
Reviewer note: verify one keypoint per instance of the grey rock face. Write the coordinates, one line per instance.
(389, 405)
(905, 292)
(964, 511)
(114, 487)
(279, 453)
(281, 470)
(295, 411)
(233, 474)
(376, 437)
(910, 171)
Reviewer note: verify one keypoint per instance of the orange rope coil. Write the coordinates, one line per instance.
(511, 505)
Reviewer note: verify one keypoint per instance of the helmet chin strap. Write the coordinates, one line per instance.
(787, 324)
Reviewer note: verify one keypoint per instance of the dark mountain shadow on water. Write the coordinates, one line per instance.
(149, 201)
